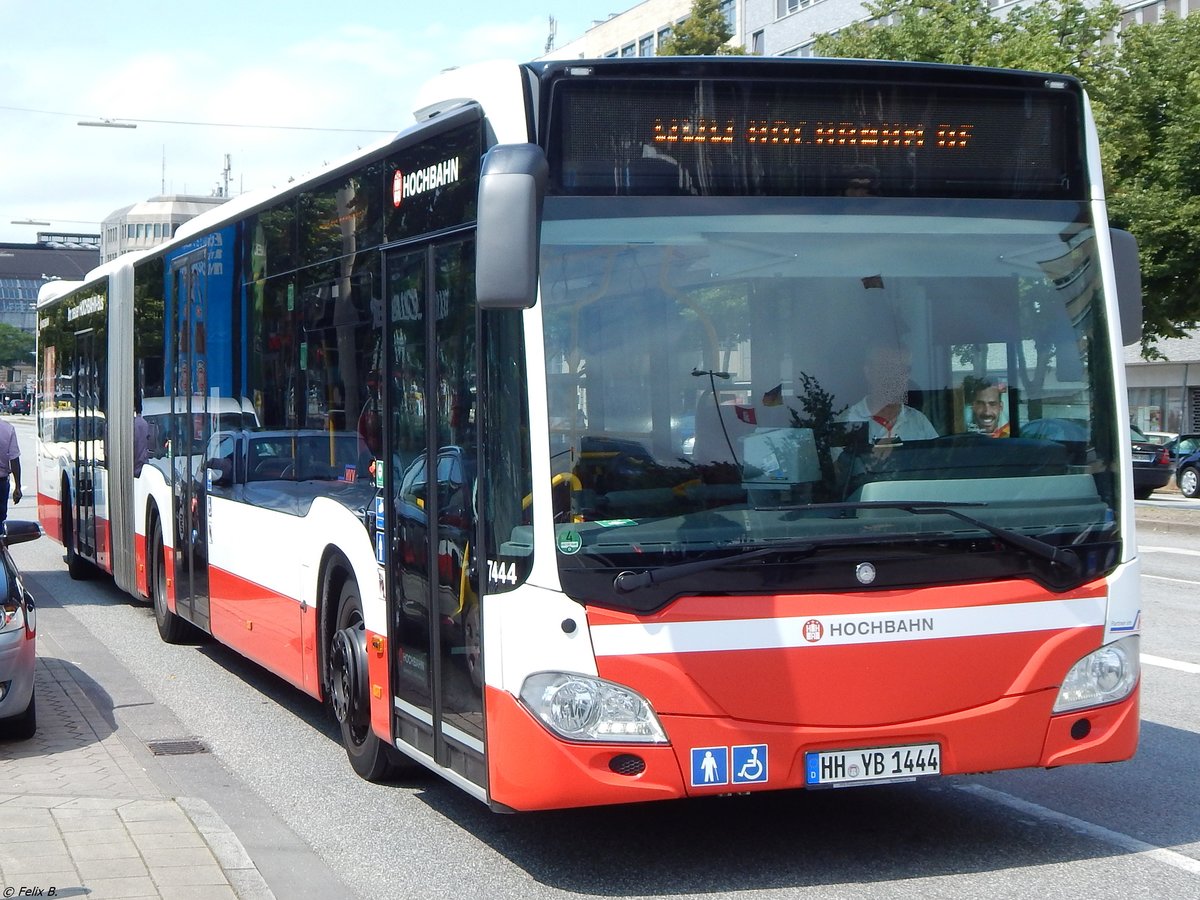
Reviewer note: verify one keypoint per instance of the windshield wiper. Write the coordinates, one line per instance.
(1058, 556)
(627, 582)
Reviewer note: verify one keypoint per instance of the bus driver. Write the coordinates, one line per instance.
(884, 409)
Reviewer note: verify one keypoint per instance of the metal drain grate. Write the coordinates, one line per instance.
(176, 748)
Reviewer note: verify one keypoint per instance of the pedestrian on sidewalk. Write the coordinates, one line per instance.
(10, 464)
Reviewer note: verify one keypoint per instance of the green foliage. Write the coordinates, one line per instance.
(819, 415)
(703, 33)
(16, 346)
(945, 31)
(1148, 124)
(1061, 36)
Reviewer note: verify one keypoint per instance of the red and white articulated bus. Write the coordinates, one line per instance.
(773, 411)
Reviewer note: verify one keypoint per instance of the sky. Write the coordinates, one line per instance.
(342, 75)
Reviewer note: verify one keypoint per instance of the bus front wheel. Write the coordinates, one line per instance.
(349, 692)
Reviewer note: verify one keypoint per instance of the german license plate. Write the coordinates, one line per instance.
(872, 764)
(1143, 457)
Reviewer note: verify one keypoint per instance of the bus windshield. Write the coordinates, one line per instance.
(729, 374)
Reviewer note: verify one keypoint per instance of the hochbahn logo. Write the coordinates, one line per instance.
(419, 182)
(814, 629)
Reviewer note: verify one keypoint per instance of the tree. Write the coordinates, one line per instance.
(16, 346)
(1148, 125)
(1062, 36)
(703, 33)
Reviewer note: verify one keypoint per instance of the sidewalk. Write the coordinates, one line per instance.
(80, 815)
(1164, 518)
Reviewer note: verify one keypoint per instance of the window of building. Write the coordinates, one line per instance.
(803, 51)
(729, 11)
(664, 35)
(629, 50)
(787, 7)
(646, 46)
(756, 43)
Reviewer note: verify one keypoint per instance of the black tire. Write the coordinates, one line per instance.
(1142, 493)
(77, 567)
(1189, 481)
(349, 693)
(171, 628)
(22, 727)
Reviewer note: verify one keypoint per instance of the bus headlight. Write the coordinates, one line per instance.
(1105, 676)
(585, 708)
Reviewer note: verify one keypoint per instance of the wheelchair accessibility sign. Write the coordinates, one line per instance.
(749, 764)
(712, 766)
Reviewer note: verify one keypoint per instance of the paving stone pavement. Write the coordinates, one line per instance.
(79, 816)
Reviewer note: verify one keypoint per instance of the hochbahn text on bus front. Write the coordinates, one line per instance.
(548, 444)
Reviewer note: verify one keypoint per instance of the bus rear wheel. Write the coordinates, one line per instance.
(171, 628)
(349, 692)
(77, 567)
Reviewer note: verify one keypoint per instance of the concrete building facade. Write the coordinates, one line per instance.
(639, 31)
(145, 224)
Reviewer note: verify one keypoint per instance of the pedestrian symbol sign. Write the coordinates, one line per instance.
(710, 766)
(749, 764)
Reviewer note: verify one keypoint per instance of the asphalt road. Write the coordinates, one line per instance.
(1130, 829)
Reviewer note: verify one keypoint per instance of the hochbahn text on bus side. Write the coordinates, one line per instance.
(614, 432)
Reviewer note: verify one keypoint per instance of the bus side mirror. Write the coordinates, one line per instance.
(1129, 284)
(512, 183)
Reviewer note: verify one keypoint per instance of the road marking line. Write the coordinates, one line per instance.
(1163, 662)
(1174, 580)
(1088, 829)
(1181, 551)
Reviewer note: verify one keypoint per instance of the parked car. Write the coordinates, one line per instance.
(1152, 465)
(1183, 444)
(1160, 437)
(1187, 468)
(18, 633)
(19, 405)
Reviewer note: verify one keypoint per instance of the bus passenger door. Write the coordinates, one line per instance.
(189, 437)
(431, 448)
(87, 441)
